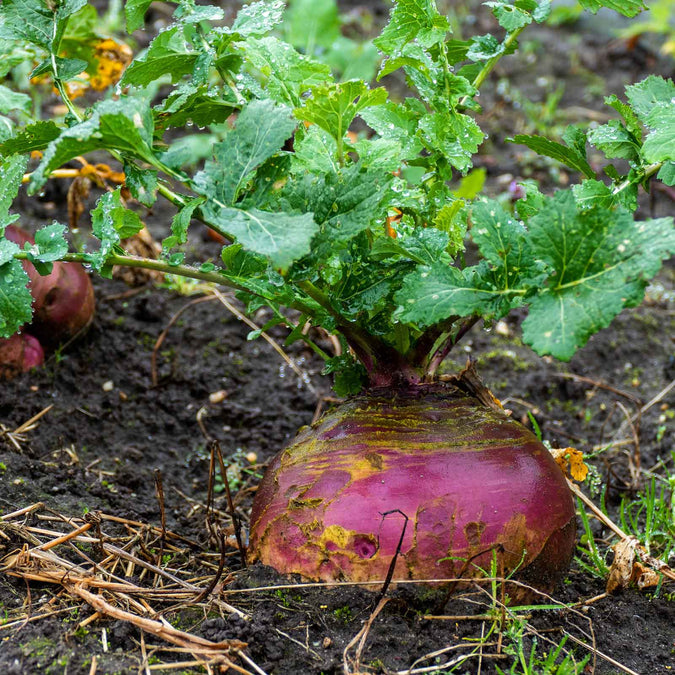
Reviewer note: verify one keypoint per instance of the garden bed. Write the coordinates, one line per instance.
(123, 443)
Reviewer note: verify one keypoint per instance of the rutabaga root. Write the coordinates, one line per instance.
(474, 484)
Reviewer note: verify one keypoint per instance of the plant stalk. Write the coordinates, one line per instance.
(491, 63)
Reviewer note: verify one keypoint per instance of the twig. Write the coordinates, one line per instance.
(15, 437)
(230, 504)
(392, 564)
(600, 385)
(163, 334)
(659, 397)
(159, 489)
(444, 650)
(596, 651)
(304, 377)
(26, 509)
(361, 638)
(158, 628)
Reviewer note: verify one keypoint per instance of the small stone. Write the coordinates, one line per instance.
(251, 457)
(218, 396)
(327, 642)
(108, 386)
(502, 328)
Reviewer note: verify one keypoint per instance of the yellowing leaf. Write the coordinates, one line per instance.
(571, 462)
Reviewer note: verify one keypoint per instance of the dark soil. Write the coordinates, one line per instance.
(109, 431)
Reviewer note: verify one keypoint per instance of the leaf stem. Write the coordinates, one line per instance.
(227, 78)
(446, 346)
(492, 62)
(649, 171)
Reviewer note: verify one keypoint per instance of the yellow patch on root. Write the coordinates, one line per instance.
(338, 535)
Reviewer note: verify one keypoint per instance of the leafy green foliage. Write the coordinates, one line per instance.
(625, 7)
(333, 107)
(168, 54)
(124, 125)
(262, 129)
(111, 222)
(573, 157)
(362, 231)
(599, 261)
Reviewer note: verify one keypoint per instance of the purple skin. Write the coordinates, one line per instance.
(63, 300)
(470, 480)
(18, 354)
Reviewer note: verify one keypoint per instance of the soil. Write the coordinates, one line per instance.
(109, 430)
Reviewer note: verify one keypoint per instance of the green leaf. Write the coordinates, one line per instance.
(281, 237)
(628, 8)
(432, 294)
(667, 173)
(343, 204)
(35, 136)
(134, 11)
(648, 93)
(630, 118)
(36, 22)
(124, 125)
(397, 122)
(454, 135)
(142, 183)
(352, 59)
(262, 129)
(189, 13)
(425, 247)
(349, 374)
(82, 36)
(571, 157)
(503, 242)
(484, 47)
(66, 69)
(310, 24)
(412, 20)
(12, 170)
(593, 194)
(168, 54)
(8, 249)
(258, 18)
(411, 57)
(287, 74)
(472, 184)
(601, 261)
(315, 151)
(15, 298)
(50, 244)
(334, 106)
(180, 224)
(615, 140)
(380, 153)
(13, 100)
(263, 189)
(510, 16)
(451, 219)
(111, 221)
(659, 146)
(532, 202)
(543, 10)
(200, 104)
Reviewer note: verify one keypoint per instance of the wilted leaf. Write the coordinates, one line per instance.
(571, 463)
